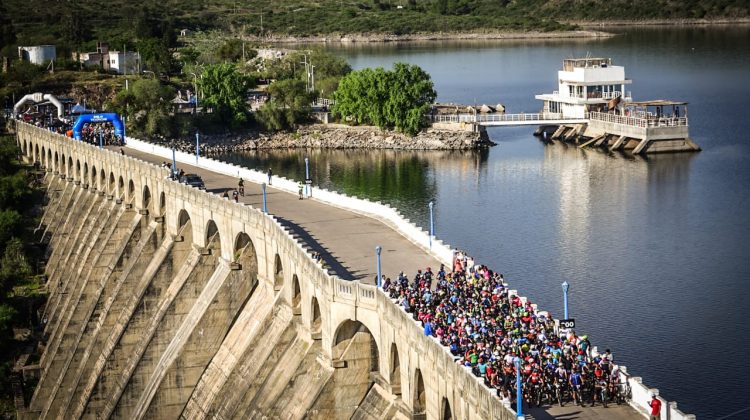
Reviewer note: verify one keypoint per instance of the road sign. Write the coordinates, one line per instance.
(308, 181)
(568, 323)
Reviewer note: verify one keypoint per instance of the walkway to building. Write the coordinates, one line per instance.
(500, 120)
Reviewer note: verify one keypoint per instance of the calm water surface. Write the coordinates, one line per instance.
(656, 249)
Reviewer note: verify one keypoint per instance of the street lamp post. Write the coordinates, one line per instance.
(174, 162)
(519, 391)
(432, 223)
(565, 287)
(378, 249)
(197, 146)
(263, 187)
(195, 90)
(307, 176)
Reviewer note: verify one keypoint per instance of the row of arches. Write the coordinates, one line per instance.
(109, 182)
(149, 194)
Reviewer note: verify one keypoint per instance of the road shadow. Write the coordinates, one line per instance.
(333, 265)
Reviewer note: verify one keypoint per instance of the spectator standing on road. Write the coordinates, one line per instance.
(300, 188)
(655, 405)
(236, 196)
(270, 174)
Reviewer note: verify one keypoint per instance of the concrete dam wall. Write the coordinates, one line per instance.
(169, 302)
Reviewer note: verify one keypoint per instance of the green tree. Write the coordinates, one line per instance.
(148, 104)
(360, 96)
(290, 104)
(389, 99)
(75, 27)
(14, 191)
(11, 224)
(224, 90)
(14, 266)
(155, 55)
(234, 49)
(410, 97)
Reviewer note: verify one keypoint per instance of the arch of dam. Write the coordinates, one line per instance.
(169, 302)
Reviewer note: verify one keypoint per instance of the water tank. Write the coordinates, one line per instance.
(38, 54)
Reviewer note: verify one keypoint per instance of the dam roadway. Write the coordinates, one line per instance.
(347, 241)
(169, 302)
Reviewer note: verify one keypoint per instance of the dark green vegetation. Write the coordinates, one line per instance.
(293, 91)
(20, 288)
(224, 89)
(78, 22)
(389, 99)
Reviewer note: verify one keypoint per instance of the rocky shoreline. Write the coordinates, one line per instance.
(432, 36)
(335, 136)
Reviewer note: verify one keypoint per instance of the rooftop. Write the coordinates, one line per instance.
(570, 63)
(657, 102)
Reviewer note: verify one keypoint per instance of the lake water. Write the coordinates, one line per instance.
(656, 250)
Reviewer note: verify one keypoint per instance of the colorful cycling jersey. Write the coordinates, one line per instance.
(576, 379)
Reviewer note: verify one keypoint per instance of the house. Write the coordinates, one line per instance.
(127, 62)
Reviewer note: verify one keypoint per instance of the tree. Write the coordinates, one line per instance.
(11, 224)
(234, 49)
(224, 89)
(389, 99)
(148, 103)
(290, 103)
(75, 27)
(156, 55)
(14, 267)
(411, 96)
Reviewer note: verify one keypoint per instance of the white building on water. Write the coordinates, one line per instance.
(594, 91)
(587, 85)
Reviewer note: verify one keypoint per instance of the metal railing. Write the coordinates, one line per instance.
(640, 120)
(486, 118)
(323, 102)
(596, 95)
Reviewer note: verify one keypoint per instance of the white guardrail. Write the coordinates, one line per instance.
(641, 394)
(377, 210)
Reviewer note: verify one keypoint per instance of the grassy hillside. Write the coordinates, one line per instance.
(79, 21)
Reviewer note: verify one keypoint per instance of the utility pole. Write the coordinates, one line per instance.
(307, 73)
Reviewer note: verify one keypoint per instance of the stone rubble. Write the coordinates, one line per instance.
(340, 137)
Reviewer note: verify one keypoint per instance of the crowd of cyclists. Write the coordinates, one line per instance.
(100, 133)
(471, 311)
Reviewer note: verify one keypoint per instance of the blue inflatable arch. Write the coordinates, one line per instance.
(99, 118)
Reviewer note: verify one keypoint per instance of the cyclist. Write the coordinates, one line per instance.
(241, 187)
(576, 383)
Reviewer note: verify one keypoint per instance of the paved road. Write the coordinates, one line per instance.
(347, 242)
(571, 411)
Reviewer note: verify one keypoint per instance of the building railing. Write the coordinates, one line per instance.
(596, 95)
(640, 120)
(323, 102)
